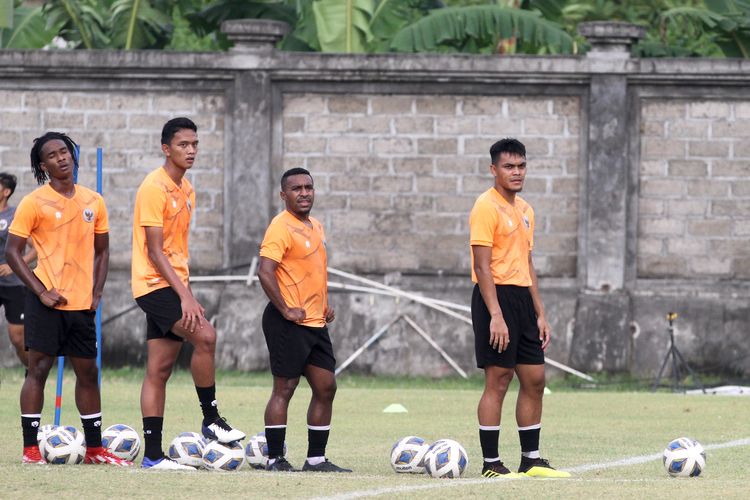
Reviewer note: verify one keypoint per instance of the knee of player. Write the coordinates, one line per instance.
(286, 389)
(206, 339)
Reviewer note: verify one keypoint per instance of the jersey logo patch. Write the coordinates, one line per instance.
(307, 244)
(88, 215)
(174, 203)
(189, 206)
(3, 224)
(526, 221)
(58, 215)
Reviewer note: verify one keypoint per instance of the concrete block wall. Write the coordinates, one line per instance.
(398, 174)
(127, 125)
(694, 197)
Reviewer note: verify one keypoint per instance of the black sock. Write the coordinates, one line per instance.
(529, 437)
(30, 428)
(152, 427)
(275, 437)
(489, 438)
(92, 429)
(209, 406)
(317, 439)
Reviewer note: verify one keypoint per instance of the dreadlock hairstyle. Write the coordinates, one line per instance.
(36, 154)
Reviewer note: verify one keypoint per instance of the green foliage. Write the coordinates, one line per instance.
(29, 30)
(136, 24)
(82, 22)
(343, 25)
(474, 28)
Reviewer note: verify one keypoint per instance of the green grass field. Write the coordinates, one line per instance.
(579, 428)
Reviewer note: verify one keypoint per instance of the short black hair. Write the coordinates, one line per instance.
(8, 181)
(175, 125)
(508, 145)
(36, 153)
(291, 172)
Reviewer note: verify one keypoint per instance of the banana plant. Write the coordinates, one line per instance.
(137, 24)
(478, 28)
(26, 28)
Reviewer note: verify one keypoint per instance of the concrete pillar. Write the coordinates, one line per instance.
(601, 339)
(248, 170)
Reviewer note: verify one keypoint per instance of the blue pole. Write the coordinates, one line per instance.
(61, 359)
(99, 165)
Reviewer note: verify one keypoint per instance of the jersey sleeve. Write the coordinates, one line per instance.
(151, 200)
(532, 225)
(25, 219)
(276, 242)
(101, 225)
(482, 225)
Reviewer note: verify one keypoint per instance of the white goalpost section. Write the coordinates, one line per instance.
(373, 287)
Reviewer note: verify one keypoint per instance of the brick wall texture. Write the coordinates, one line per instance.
(128, 128)
(396, 175)
(694, 203)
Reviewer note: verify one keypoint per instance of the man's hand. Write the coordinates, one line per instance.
(545, 332)
(499, 336)
(192, 314)
(295, 314)
(52, 298)
(95, 302)
(5, 270)
(330, 314)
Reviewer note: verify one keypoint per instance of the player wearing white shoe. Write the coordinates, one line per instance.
(160, 279)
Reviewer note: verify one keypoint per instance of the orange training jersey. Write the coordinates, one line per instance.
(302, 272)
(161, 203)
(62, 230)
(509, 230)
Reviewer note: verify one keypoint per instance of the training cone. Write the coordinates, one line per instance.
(395, 408)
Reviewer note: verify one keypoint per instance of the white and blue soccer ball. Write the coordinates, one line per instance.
(223, 456)
(42, 433)
(187, 449)
(407, 455)
(446, 458)
(684, 457)
(122, 441)
(256, 451)
(63, 445)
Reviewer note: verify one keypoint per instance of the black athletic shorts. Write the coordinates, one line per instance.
(58, 333)
(524, 348)
(163, 310)
(13, 300)
(291, 347)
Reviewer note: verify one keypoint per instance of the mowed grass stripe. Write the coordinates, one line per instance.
(458, 483)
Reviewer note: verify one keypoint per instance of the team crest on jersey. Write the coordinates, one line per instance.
(526, 221)
(174, 203)
(3, 224)
(88, 215)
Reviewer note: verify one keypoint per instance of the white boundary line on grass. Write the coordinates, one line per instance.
(576, 470)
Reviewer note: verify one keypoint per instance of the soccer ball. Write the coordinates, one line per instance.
(684, 457)
(447, 459)
(256, 451)
(42, 433)
(64, 445)
(407, 455)
(223, 456)
(187, 449)
(122, 441)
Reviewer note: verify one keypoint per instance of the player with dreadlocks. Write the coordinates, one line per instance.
(69, 227)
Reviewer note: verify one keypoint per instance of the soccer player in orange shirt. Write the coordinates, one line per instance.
(293, 273)
(510, 328)
(160, 280)
(69, 227)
